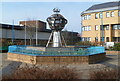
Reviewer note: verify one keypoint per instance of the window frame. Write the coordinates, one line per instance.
(112, 14)
(97, 16)
(96, 39)
(119, 13)
(101, 15)
(107, 27)
(96, 27)
(107, 14)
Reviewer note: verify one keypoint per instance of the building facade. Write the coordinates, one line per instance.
(101, 23)
(16, 34)
(34, 23)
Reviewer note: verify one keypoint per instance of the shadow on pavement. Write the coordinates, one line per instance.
(11, 68)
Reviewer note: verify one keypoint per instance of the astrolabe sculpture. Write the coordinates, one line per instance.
(56, 22)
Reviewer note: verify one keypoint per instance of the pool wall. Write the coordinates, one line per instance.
(39, 55)
(90, 59)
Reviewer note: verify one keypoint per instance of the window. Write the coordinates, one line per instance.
(101, 15)
(86, 39)
(119, 27)
(101, 27)
(102, 39)
(82, 38)
(116, 39)
(107, 27)
(115, 27)
(118, 13)
(89, 39)
(89, 16)
(89, 28)
(96, 27)
(96, 15)
(107, 14)
(107, 39)
(86, 28)
(112, 14)
(96, 39)
(83, 29)
(86, 17)
(83, 17)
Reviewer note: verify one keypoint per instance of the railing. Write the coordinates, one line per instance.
(79, 52)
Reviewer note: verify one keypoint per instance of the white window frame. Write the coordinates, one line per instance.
(96, 27)
(107, 14)
(89, 16)
(86, 17)
(107, 27)
(83, 17)
(101, 15)
(112, 14)
(89, 28)
(83, 39)
(115, 27)
(119, 27)
(89, 38)
(96, 39)
(96, 15)
(83, 28)
(118, 13)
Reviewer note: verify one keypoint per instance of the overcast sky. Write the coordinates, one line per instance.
(19, 11)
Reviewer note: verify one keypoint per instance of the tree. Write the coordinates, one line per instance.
(30, 28)
(31, 32)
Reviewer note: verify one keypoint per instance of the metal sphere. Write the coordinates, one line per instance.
(56, 22)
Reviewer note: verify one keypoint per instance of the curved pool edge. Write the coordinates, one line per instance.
(89, 59)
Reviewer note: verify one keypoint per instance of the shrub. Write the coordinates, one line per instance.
(37, 73)
(87, 43)
(116, 47)
(104, 74)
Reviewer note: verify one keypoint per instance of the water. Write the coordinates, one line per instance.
(72, 52)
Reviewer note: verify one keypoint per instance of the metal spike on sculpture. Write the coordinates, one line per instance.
(56, 23)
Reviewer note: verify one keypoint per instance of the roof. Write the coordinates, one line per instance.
(7, 26)
(104, 5)
(17, 27)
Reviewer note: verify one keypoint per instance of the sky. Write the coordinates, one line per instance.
(20, 11)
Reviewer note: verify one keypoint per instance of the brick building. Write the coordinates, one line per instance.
(101, 22)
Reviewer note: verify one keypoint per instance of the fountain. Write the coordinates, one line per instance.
(56, 50)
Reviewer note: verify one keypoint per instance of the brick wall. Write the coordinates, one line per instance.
(112, 52)
(56, 59)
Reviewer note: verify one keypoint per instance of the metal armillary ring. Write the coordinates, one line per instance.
(56, 21)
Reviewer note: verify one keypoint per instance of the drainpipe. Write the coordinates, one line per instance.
(102, 28)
